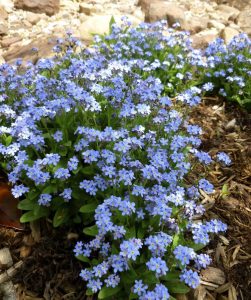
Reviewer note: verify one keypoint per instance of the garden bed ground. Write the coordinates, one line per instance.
(49, 271)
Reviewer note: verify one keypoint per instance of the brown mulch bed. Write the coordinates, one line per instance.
(50, 272)
(228, 128)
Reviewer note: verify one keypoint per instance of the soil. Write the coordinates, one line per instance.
(50, 271)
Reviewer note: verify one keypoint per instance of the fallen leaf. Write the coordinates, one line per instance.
(9, 213)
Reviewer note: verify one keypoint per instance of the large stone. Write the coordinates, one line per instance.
(86, 8)
(145, 4)
(203, 38)
(2, 60)
(7, 5)
(194, 24)
(26, 53)
(3, 27)
(215, 24)
(99, 24)
(8, 41)
(228, 33)
(164, 10)
(240, 4)
(3, 13)
(33, 18)
(228, 12)
(49, 7)
(244, 20)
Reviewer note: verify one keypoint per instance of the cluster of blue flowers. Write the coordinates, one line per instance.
(107, 132)
(229, 68)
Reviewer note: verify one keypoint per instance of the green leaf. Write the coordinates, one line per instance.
(61, 216)
(68, 144)
(31, 216)
(224, 191)
(175, 240)
(46, 135)
(26, 204)
(177, 287)
(130, 233)
(196, 247)
(88, 208)
(128, 278)
(89, 292)
(63, 151)
(106, 292)
(33, 195)
(112, 21)
(149, 277)
(8, 140)
(50, 189)
(87, 170)
(92, 230)
(133, 296)
(171, 276)
(83, 258)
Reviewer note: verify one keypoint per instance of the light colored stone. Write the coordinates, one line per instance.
(203, 38)
(8, 41)
(145, 4)
(33, 18)
(229, 13)
(163, 10)
(99, 24)
(215, 24)
(26, 23)
(215, 16)
(8, 5)
(228, 33)
(3, 28)
(244, 20)
(86, 8)
(26, 53)
(194, 24)
(49, 7)
(2, 60)
(3, 13)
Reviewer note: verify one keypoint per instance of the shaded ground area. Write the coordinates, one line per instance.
(50, 272)
(227, 128)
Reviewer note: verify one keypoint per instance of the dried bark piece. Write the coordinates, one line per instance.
(213, 275)
(10, 272)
